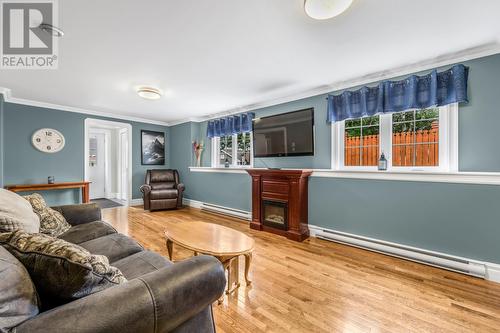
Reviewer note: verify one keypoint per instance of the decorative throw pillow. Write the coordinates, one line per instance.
(18, 299)
(61, 271)
(52, 222)
(16, 213)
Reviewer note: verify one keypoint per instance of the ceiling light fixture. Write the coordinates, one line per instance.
(325, 9)
(49, 28)
(149, 92)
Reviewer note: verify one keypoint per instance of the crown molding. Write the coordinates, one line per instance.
(476, 52)
(186, 120)
(7, 94)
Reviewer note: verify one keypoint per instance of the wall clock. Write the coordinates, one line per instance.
(48, 140)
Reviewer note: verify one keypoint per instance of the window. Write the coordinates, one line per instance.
(415, 140)
(226, 150)
(361, 141)
(243, 151)
(235, 149)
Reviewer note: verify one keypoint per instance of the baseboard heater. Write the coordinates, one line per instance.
(405, 252)
(226, 211)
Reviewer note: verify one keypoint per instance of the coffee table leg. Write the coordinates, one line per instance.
(248, 261)
(232, 275)
(225, 264)
(170, 248)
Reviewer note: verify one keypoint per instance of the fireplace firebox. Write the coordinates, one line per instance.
(275, 214)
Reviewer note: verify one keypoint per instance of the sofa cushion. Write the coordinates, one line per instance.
(84, 232)
(141, 263)
(162, 186)
(61, 271)
(52, 222)
(164, 194)
(162, 176)
(162, 204)
(80, 213)
(16, 213)
(115, 246)
(18, 299)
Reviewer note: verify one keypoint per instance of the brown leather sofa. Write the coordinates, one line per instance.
(162, 190)
(159, 296)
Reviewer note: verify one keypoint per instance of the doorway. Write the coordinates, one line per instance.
(107, 159)
(98, 160)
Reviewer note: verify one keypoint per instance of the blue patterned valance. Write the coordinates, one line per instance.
(414, 92)
(236, 124)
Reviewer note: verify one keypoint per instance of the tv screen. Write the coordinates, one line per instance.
(287, 134)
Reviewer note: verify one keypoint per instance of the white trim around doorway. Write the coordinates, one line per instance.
(107, 125)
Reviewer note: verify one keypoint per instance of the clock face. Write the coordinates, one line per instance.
(48, 140)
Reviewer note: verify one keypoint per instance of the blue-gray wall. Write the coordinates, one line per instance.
(457, 219)
(180, 147)
(24, 164)
(1, 140)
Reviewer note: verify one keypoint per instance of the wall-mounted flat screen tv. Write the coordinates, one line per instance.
(286, 134)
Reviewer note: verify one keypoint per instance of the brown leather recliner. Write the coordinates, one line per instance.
(162, 190)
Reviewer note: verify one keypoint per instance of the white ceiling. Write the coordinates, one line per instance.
(213, 56)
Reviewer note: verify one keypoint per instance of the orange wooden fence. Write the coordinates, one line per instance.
(421, 145)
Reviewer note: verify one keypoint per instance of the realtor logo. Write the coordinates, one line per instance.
(25, 43)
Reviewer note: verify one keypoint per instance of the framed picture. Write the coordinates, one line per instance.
(152, 148)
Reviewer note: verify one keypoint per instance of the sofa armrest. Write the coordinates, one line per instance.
(145, 188)
(80, 214)
(185, 289)
(156, 302)
(180, 191)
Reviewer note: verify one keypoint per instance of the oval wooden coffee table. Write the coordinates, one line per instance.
(224, 243)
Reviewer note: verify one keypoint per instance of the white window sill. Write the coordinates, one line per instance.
(483, 178)
(219, 170)
(486, 178)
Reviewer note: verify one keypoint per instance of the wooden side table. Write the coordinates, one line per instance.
(224, 243)
(84, 186)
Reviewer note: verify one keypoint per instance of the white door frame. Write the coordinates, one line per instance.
(121, 166)
(107, 167)
(99, 123)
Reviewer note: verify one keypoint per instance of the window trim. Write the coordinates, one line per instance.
(215, 153)
(448, 144)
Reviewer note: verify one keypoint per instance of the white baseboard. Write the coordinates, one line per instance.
(136, 202)
(242, 214)
(192, 203)
(486, 270)
(492, 272)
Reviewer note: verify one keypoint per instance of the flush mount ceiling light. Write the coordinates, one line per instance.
(325, 9)
(49, 28)
(149, 92)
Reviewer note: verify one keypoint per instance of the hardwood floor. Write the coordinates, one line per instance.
(321, 286)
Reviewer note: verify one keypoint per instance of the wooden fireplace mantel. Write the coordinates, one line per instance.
(285, 186)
